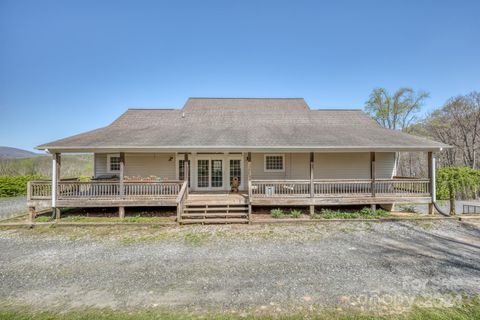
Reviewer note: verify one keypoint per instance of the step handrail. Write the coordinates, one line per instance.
(182, 196)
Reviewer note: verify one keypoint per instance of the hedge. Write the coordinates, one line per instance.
(12, 186)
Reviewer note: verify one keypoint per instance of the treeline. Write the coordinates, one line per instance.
(456, 123)
(72, 166)
(12, 186)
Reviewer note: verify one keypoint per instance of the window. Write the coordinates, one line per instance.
(274, 163)
(181, 169)
(113, 163)
(236, 170)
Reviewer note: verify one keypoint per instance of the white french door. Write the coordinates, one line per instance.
(210, 174)
(212, 171)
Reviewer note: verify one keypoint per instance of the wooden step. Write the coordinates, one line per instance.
(217, 221)
(215, 214)
(189, 209)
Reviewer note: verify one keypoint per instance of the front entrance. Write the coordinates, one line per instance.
(213, 172)
(210, 174)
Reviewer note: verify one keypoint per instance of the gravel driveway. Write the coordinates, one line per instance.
(10, 207)
(240, 268)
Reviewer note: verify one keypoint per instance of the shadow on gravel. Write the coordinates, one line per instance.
(433, 248)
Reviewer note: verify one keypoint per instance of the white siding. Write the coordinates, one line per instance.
(342, 165)
(384, 165)
(141, 165)
(297, 165)
(160, 165)
(100, 160)
(353, 165)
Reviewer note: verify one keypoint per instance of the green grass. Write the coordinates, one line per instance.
(365, 213)
(42, 219)
(196, 238)
(468, 311)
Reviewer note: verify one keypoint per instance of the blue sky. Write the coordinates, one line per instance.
(71, 66)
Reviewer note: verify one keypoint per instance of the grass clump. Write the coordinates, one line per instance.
(408, 209)
(196, 238)
(42, 219)
(365, 213)
(277, 213)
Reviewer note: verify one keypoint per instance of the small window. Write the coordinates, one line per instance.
(274, 163)
(113, 163)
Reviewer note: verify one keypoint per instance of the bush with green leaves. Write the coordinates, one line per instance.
(12, 186)
(277, 213)
(457, 182)
(365, 213)
(295, 213)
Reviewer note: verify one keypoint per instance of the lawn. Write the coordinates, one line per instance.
(467, 311)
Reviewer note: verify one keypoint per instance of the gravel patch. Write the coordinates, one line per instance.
(201, 268)
(443, 204)
(10, 207)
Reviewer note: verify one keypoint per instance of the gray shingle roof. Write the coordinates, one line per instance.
(247, 124)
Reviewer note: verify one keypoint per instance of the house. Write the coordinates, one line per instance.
(280, 152)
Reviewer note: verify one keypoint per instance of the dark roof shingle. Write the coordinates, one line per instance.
(243, 123)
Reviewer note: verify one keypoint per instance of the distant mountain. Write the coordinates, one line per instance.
(14, 153)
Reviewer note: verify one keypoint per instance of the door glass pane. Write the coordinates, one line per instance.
(217, 173)
(181, 170)
(235, 170)
(202, 173)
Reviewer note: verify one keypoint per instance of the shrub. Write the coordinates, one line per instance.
(453, 182)
(369, 213)
(12, 186)
(295, 213)
(277, 213)
(365, 213)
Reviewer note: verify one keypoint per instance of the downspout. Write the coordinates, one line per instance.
(54, 189)
(434, 190)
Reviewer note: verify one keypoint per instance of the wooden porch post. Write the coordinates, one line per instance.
(56, 164)
(312, 185)
(372, 177)
(121, 210)
(249, 184)
(186, 170)
(431, 176)
(31, 214)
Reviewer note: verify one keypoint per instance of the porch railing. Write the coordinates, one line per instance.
(340, 188)
(69, 190)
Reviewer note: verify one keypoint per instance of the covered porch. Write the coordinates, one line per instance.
(182, 194)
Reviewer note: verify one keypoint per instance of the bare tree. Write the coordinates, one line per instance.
(397, 111)
(457, 123)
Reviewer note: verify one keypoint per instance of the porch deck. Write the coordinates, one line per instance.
(260, 192)
(216, 197)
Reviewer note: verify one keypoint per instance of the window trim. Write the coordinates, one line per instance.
(273, 155)
(109, 156)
